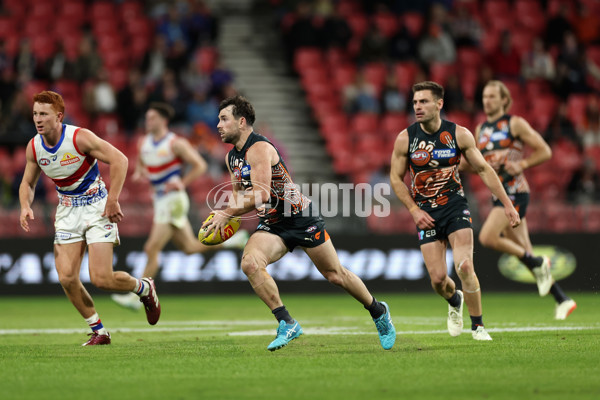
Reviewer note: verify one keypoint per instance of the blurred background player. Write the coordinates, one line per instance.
(501, 139)
(87, 214)
(286, 221)
(431, 149)
(163, 157)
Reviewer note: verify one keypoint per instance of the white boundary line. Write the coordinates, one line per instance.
(224, 327)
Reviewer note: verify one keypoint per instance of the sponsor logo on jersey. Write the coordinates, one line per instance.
(44, 161)
(246, 172)
(62, 235)
(69, 159)
(311, 229)
(420, 157)
(498, 135)
(263, 227)
(443, 153)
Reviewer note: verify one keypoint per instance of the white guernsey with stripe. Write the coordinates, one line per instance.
(161, 162)
(75, 174)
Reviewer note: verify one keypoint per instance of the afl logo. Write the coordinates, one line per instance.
(44, 161)
(236, 172)
(108, 227)
(420, 157)
(311, 229)
(446, 138)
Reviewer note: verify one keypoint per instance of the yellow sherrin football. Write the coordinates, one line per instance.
(215, 237)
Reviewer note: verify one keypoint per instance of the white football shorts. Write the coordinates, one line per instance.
(172, 208)
(84, 223)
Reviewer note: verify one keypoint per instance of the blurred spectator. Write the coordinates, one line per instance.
(8, 88)
(303, 33)
(155, 59)
(589, 132)
(360, 96)
(465, 29)
(574, 68)
(132, 102)
(219, 78)
(169, 91)
(323, 8)
(373, 47)
(202, 108)
(403, 45)
(20, 127)
(99, 95)
(557, 26)
(201, 25)
(584, 187)
(25, 62)
(392, 100)
(453, 95)
(58, 66)
(437, 46)
(561, 127)
(538, 63)
(504, 59)
(88, 62)
(587, 26)
(6, 61)
(172, 27)
(336, 31)
(178, 57)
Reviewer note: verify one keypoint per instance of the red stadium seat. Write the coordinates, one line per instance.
(359, 25)
(495, 8)
(74, 12)
(307, 57)
(405, 74)
(364, 122)
(375, 73)
(469, 57)
(8, 26)
(393, 123)
(103, 10)
(343, 76)
(439, 72)
(413, 21)
(386, 22)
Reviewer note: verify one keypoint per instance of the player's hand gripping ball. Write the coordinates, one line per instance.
(215, 237)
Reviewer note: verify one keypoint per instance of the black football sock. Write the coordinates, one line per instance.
(558, 294)
(454, 301)
(376, 309)
(531, 261)
(282, 314)
(476, 321)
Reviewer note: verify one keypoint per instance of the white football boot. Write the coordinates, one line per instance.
(455, 317)
(127, 300)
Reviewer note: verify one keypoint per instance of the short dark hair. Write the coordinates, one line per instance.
(436, 89)
(164, 109)
(241, 108)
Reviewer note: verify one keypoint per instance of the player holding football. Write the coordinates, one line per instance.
(431, 149)
(260, 177)
(87, 213)
(163, 157)
(501, 139)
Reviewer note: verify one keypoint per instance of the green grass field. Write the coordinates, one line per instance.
(214, 347)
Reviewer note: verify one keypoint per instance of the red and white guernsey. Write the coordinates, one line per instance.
(160, 161)
(75, 174)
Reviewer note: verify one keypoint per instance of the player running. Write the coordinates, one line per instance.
(501, 139)
(431, 150)
(87, 213)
